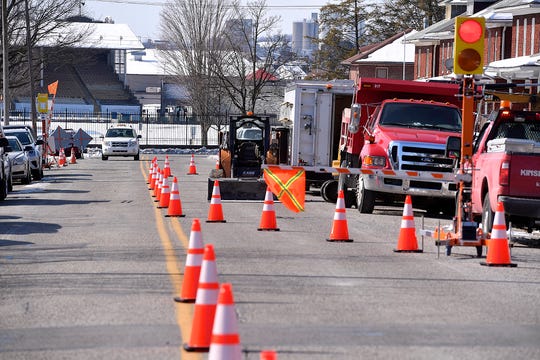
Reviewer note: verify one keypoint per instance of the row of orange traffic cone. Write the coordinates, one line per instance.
(407, 241)
(498, 250)
(62, 160)
(214, 326)
(498, 253)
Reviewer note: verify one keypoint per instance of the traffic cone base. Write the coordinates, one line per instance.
(407, 234)
(340, 229)
(498, 252)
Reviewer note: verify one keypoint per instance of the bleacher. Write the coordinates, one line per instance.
(85, 86)
(102, 83)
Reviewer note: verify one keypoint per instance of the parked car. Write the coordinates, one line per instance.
(20, 163)
(26, 137)
(6, 183)
(120, 140)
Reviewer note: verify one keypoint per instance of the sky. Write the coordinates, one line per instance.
(143, 18)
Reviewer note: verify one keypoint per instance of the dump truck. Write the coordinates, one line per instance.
(398, 125)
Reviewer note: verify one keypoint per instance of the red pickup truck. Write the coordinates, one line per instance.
(506, 162)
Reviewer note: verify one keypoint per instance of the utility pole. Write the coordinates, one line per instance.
(356, 32)
(5, 59)
(29, 50)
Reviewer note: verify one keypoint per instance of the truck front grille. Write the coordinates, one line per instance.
(419, 157)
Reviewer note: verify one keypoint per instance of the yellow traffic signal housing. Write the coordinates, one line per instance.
(469, 45)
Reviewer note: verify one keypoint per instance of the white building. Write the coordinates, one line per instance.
(302, 35)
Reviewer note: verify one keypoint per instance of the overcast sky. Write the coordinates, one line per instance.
(142, 16)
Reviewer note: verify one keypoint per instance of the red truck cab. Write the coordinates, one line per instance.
(399, 125)
(506, 162)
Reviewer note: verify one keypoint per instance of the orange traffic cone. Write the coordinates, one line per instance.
(340, 229)
(225, 343)
(268, 355)
(192, 270)
(159, 184)
(175, 205)
(62, 158)
(407, 234)
(165, 195)
(268, 217)
(498, 251)
(192, 167)
(215, 212)
(72, 158)
(217, 164)
(151, 170)
(167, 167)
(205, 304)
(153, 178)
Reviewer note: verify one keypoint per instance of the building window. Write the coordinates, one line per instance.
(381, 72)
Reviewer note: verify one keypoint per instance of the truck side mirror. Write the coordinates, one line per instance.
(354, 124)
(3, 142)
(453, 147)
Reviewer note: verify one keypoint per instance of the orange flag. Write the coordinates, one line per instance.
(288, 185)
(52, 88)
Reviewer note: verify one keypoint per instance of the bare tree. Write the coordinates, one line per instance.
(31, 25)
(250, 53)
(191, 29)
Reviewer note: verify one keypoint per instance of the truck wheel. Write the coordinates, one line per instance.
(103, 157)
(487, 215)
(329, 191)
(365, 199)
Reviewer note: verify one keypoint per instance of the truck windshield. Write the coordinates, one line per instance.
(421, 116)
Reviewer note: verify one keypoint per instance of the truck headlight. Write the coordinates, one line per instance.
(374, 161)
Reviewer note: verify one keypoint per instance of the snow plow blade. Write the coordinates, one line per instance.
(238, 189)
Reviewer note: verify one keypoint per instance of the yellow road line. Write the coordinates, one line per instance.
(184, 312)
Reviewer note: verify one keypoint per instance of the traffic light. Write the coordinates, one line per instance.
(469, 45)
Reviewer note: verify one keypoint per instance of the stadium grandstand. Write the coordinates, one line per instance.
(108, 72)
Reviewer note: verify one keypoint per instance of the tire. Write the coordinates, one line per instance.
(103, 157)
(3, 188)
(365, 199)
(10, 184)
(37, 174)
(329, 191)
(28, 178)
(487, 214)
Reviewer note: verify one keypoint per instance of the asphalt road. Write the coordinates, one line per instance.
(89, 268)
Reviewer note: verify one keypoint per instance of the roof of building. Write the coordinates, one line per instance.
(393, 49)
(94, 36)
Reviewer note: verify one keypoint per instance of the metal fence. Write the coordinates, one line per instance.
(156, 130)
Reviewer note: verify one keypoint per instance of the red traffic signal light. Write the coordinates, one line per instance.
(469, 45)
